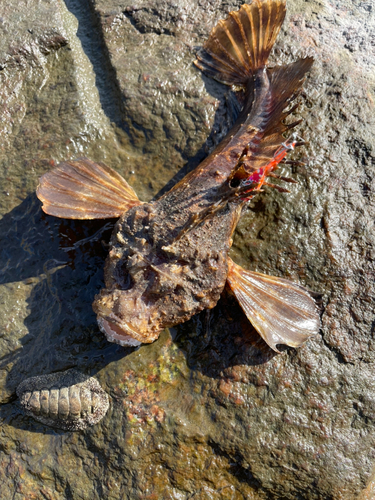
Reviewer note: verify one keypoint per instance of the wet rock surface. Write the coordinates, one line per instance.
(207, 411)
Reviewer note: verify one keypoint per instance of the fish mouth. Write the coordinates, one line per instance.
(122, 333)
(116, 334)
(116, 328)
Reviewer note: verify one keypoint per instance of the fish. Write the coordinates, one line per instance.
(169, 258)
(66, 400)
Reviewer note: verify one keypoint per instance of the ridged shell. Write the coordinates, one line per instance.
(67, 400)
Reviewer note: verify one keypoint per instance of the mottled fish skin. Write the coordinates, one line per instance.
(154, 281)
(168, 259)
(66, 400)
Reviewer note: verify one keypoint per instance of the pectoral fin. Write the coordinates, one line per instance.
(282, 312)
(82, 189)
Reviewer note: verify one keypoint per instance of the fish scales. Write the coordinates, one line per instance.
(168, 258)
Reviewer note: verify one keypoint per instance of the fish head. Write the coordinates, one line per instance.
(125, 318)
(154, 280)
(124, 313)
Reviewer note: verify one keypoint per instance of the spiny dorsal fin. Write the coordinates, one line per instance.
(282, 312)
(82, 189)
(240, 45)
(285, 84)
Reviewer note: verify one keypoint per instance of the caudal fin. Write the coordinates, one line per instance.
(282, 312)
(240, 45)
(82, 189)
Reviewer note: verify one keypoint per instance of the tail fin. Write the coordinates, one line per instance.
(240, 45)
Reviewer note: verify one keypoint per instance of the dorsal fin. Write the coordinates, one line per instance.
(285, 84)
(82, 189)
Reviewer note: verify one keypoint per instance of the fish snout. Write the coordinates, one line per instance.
(123, 318)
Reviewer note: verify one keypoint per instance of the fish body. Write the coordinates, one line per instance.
(168, 258)
(154, 281)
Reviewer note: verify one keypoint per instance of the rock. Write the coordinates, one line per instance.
(207, 411)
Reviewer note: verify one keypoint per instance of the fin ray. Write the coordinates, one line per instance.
(282, 312)
(243, 41)
(82, 189)
(285, 84)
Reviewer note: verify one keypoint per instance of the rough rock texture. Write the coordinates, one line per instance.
(207, 411)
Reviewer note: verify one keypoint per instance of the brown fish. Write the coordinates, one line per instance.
(168, 259)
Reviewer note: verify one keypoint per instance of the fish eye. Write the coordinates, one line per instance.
(235, 182)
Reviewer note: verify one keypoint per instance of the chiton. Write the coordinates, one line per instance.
(66, 400)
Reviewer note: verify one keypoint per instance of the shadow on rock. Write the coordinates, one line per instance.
(59, 266)
(222, 337)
